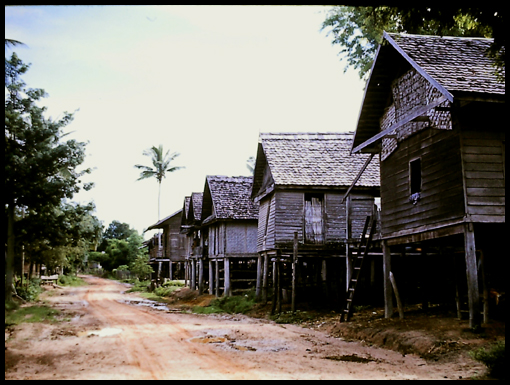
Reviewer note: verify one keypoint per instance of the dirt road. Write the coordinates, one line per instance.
(109, 337)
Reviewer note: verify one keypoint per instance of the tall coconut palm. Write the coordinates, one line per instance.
(161, 165)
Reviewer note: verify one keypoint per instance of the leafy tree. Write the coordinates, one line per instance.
(121, 245)
(40, 168)
(161, 165)
(140, 267)
(359, 30)
(116, 230)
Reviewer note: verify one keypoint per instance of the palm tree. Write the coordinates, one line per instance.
(161, 165)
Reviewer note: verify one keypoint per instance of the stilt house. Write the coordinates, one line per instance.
(301, 182)
(229, 235)
(170, 261)
(433, 110)
(190, 226)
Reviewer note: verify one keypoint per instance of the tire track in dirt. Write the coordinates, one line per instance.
(149, 339)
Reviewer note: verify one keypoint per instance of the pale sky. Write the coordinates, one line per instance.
(201, 80)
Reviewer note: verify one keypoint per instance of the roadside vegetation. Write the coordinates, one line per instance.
(492, 357)
(232, 305)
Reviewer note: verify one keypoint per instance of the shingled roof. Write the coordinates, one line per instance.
(457, 67)
(312, 159)
(227, 198)
(456, 63)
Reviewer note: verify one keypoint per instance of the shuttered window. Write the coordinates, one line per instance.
(314, 218)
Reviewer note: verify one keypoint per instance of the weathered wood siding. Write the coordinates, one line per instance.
(241, 237)
(174, 241)
(442, 197)
(282, 213)
(483, 160)
(266, 224)
(289, 218)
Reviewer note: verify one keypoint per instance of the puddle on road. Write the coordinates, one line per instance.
(106, 332)
(208, 340)
(143, 302)
(351, 358)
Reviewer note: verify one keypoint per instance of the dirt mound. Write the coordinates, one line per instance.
(187, 298)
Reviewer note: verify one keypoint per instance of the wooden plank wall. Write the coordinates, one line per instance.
(483, 161)
(266, 224)
(289, 216)
(241, 237)
(442, 197)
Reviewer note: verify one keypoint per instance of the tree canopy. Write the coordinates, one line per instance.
(359, 30)
(41, 175)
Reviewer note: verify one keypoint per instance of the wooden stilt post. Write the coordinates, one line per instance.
(485, 289)
(279, 285)
(211, 277)
(217, 278)
(472, 276)
(258, 290)
(294, 262)
(397, 296)
(275, 287)
(265, 278)
(170, 272)
(193, 274)
(201, 276)
(388, 300)
(228, 291)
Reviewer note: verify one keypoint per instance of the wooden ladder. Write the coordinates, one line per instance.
(360, 254)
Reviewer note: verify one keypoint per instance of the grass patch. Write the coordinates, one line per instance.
(71, 280)
(289, 317)
(140, 286)
(30, 314)
(230, 305)
(493, 358)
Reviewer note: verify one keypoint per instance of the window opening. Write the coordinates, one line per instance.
(415, 180)
(314, 213)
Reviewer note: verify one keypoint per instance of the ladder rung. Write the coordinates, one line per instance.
(357, 268)
(349, 299)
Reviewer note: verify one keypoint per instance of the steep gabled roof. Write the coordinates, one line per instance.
(457, 67)
(165, 221)
(312, 159)
(227, 198)
(455, 63)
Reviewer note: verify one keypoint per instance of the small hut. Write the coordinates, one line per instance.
(190, 226)
(434, 111)
(169, 262)
(306, 184)
(229, 235)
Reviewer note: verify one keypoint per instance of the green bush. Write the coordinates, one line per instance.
(139, 286)
(231, 305)
(31, 291)
(173, 283)
(165, 291)
(493, 358)
(71, 280)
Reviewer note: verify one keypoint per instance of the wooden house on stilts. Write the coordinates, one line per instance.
(168, 255)
(304, 185)
(229, 236)
(190, 226)
(433, 110)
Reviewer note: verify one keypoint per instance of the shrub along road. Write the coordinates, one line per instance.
(108, 334)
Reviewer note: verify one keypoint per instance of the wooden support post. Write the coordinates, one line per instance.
(185, 273)
(201, 276)
(258, 289)
(228, 291)
(193, 274)
(279, 286)
(388, 300)
(170, 272)
(211, 277)
(485, 289)
(265, 278)
(397, 296)
(348, 235)
(294, 261)
(472, 276)
(275, 288)
(217, 278)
